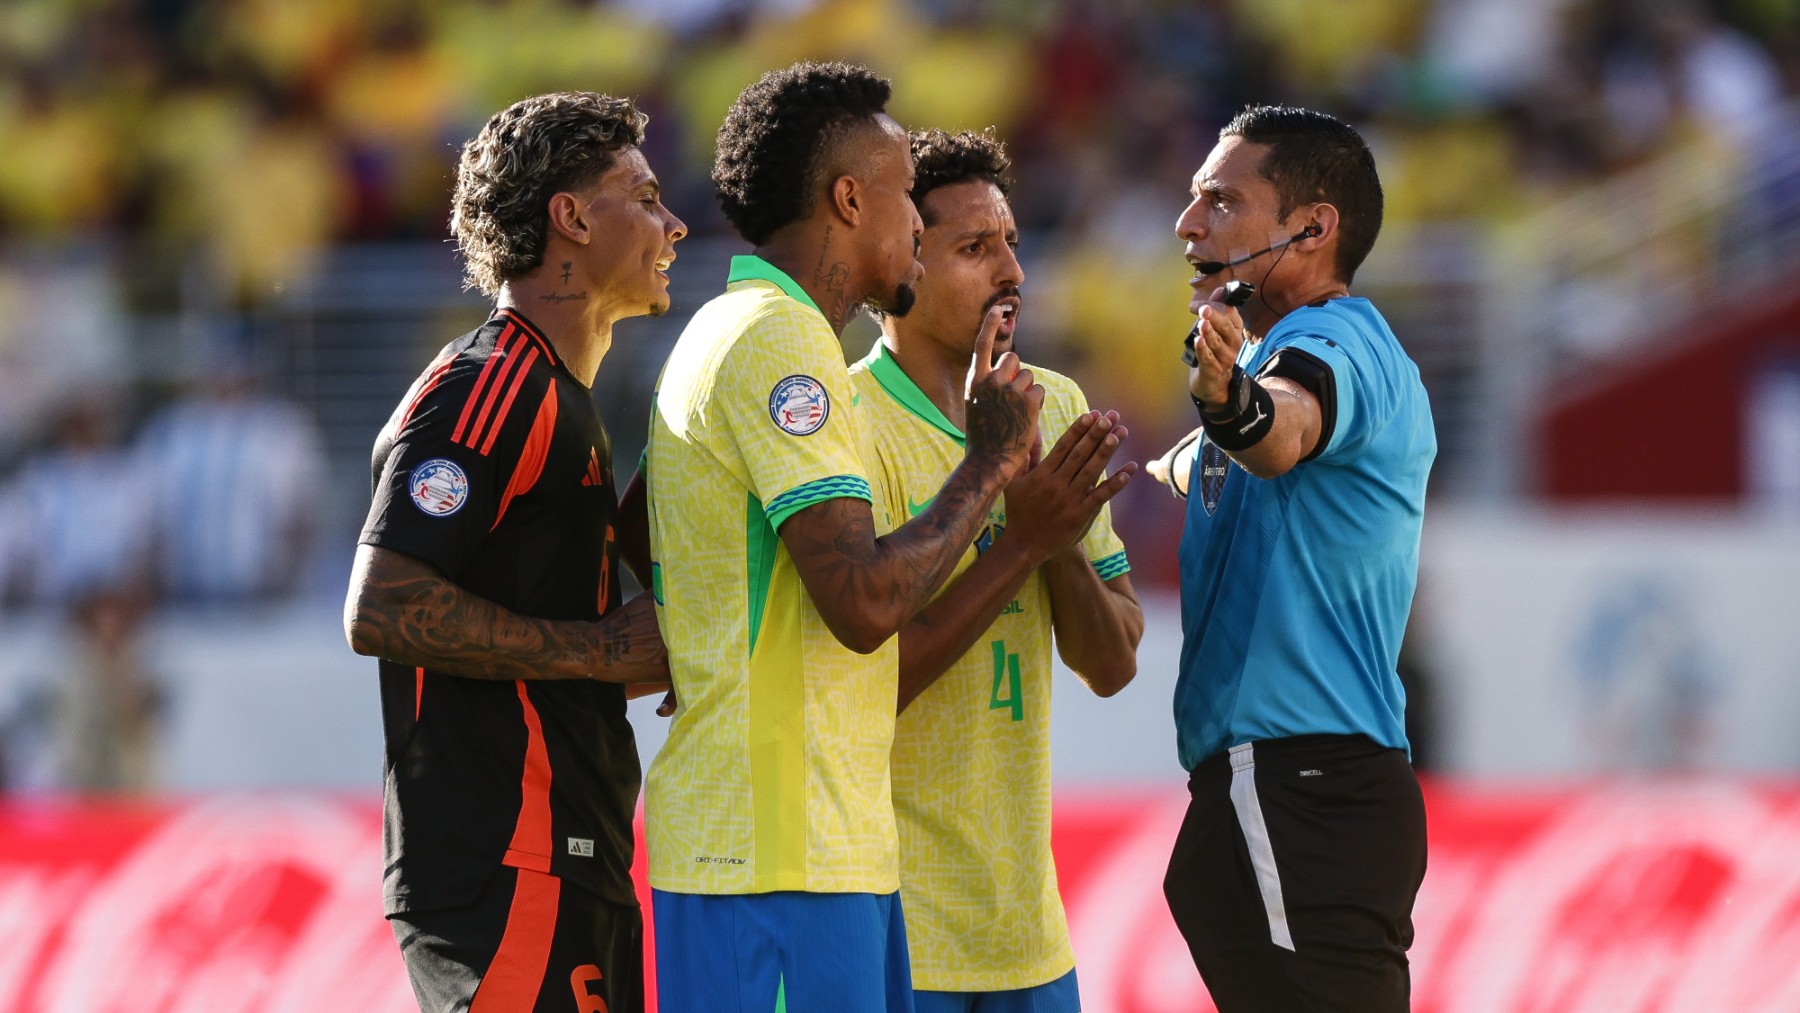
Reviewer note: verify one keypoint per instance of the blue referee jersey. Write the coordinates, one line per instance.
(1295, 590)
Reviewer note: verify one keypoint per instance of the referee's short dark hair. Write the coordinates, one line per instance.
(1313, 158)
(524, 155)
(780, 136)
(941, 158)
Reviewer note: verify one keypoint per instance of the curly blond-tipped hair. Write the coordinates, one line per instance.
(525, 154)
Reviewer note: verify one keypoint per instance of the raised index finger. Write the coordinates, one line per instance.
(983, 363)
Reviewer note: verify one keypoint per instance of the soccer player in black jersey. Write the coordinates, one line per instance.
(487, 584)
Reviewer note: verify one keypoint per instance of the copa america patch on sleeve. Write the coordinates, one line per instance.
(799, 404)
(439, 486)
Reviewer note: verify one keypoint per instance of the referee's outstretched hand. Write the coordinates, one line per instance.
(1050, 507)
(1003, 403)
(1216, 347)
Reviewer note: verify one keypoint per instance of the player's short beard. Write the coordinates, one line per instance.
(900, 305)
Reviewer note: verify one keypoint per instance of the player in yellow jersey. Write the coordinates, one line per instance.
(971, 762)
(781, 583)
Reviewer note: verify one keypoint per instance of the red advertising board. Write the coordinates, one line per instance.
(1619, 897)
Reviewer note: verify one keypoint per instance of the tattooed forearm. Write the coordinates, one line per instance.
(617, 646)
(402, 610)
(631, 646)
(960, 616)
(866, 588)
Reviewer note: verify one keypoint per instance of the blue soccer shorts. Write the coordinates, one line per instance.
(781, 953)
(1059, 996)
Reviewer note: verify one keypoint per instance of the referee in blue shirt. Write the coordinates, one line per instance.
(1294, 874)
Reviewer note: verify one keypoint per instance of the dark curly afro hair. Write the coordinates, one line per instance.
(778, 136)
(941, 158)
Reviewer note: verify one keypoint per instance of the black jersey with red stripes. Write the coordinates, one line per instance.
(496, 470)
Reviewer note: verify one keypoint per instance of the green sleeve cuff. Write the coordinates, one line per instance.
(1115, 565)
(802, 496)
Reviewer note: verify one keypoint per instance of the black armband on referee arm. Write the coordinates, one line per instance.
(1244, 419)
(1312, 374)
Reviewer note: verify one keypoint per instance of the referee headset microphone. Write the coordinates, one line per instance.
(1237, 293)
(1206, 267)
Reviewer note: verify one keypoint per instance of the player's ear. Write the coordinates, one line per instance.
(844, 198)
(568, 217)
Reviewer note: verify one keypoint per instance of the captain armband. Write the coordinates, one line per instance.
(1244, 419)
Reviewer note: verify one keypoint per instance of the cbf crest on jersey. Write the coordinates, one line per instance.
(439, 486)
(1213, 467)
(799, 404)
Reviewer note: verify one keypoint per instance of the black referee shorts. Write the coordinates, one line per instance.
(529, 942)
(1294, 875)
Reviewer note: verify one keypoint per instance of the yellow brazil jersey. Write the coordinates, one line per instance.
(775, 772)
(972, 753)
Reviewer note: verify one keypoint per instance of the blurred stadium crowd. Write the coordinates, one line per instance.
(256, 133)
(195, 161)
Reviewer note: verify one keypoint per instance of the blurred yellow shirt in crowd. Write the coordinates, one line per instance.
(711, 74)
(1449, 171)
(286, 40)
(504, 53)
(964, 80)
(60, 167)
(1326, 48)
(400, 97)
(274, 206)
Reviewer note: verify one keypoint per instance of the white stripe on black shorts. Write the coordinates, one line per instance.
(1294, 874)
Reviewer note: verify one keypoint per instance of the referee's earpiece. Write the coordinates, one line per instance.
(1312, 231)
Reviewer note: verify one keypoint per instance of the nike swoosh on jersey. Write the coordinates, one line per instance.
(918, 508)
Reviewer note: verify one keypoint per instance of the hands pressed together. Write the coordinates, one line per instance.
(1050, 506)
(1051, 498)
